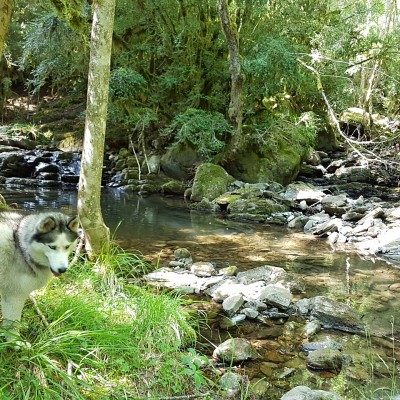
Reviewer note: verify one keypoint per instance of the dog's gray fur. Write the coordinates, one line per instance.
(33, 247)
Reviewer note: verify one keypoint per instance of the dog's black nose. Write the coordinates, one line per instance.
(62, 270)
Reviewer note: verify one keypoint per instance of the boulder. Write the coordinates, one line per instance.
(210, 182)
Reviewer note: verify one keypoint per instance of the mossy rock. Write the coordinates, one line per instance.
(178, 162)
(173, 187)
(282, 166)
(210, 182)
(227, 198)
(205, 205)
(255, 206)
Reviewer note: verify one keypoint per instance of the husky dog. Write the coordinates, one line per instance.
(33, 247)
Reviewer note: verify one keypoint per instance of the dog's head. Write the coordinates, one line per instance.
(54, 240)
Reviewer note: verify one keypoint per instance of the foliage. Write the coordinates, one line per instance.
(194, 364)
(125, 83)
(29, 131)
(170, 57)
(54, 54)
(205, 130)
(269, 137)
(106, 338)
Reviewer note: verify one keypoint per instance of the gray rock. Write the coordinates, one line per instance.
(303, 306)
(153, 165)
(235, 350)
(232, 304)
(276, 296)
(182, 252)
(305, 393)
(266, 273)
(327, 227)
(250, 313)
(335, 315)
(325, 360)
(228, 271)
(231, 385)
(311, 328)
(202, 269)
(328, 344)
(299, 191)
(334, 205)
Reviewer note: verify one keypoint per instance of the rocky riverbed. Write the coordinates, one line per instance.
(262, 322)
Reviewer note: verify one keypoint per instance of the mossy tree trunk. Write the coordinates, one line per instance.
(97, 234)
(235, 111)
(6, 9)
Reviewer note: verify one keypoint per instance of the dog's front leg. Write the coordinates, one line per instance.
(12, 310)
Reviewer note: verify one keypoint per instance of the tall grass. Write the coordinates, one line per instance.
(107, 338)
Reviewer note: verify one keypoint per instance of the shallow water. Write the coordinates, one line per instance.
(156, 226)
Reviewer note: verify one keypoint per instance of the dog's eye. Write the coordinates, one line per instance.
(66, 247)
(52, 247)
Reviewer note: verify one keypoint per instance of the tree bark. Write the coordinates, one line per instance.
(235, 111)
(97, 234)
(6, 9)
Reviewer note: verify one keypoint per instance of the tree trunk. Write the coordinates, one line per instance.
(6, 9)
(97, 234)
(235, 111)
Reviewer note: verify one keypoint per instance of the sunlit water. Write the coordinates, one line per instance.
(156, 226)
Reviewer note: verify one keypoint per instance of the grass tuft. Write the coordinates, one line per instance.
(106, 338)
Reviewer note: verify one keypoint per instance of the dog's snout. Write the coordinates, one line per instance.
(61, 270)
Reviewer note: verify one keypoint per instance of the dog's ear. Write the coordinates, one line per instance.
(73, 224)
(46, 225)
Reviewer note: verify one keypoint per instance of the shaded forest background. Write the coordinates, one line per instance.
(171, 73)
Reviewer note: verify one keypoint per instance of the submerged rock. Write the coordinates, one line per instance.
(327, 359)
(335, 315)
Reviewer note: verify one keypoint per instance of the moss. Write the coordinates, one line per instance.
(173, 187)
(210, 182)
(255, 206)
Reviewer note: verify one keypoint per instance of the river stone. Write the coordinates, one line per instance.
(229, 287)
(276, 295)
(299, 191)
(335, 315)
(325, 360)
(231, 385)
(202, 269)
(305, 393)
(328, 344)
(259, 389)
(250, 313)
(334, 205)
(182, 252)
(266, 273)
(303, 306)
(228, 271)
(235, 350)
(311, 328)
(232, 304)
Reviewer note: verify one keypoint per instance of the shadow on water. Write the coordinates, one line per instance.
(156, 226)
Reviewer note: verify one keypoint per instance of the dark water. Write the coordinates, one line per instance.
(156, 226)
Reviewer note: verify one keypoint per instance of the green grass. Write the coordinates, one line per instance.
(107, 338)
